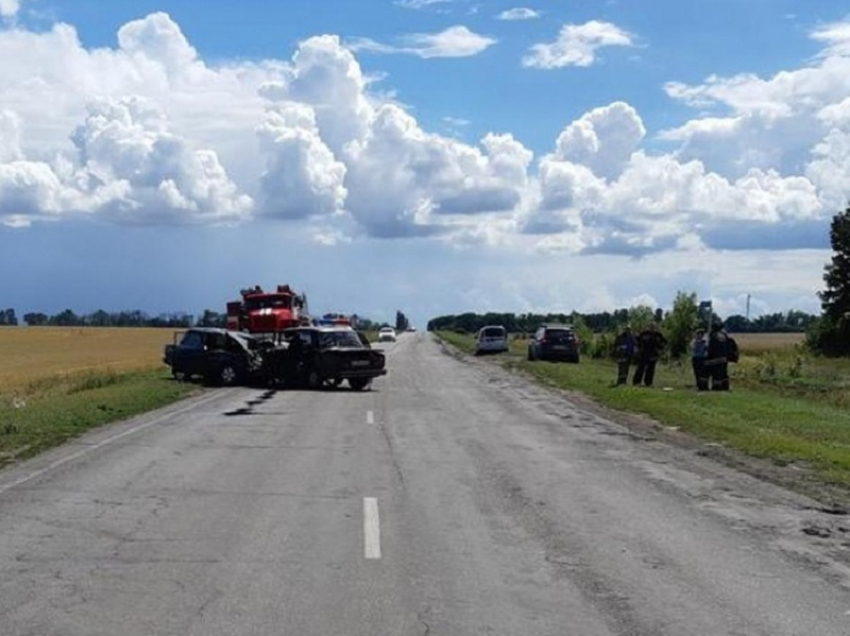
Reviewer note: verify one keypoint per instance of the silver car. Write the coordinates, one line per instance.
(491, 339)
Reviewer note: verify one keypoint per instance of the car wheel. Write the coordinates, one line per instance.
(314, 380)
(227, 375)
(530, 354)
(358, 384)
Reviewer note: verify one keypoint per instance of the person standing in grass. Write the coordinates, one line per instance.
(651, 343)
(624, 346)
(717, 361)
(699, 353)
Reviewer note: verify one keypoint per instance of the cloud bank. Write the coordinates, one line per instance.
(149, 133)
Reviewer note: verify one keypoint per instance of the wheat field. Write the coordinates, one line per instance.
(31, 354)
(755, 343)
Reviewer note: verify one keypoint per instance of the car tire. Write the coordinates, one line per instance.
(358, 384)
(315, 381)
(530, 354)
(228, 375)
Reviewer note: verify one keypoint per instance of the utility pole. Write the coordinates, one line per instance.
(748, 308)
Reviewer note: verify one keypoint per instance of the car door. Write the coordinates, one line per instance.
(190, 353)
(535, 343)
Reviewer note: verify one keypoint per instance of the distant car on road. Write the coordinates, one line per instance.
(554, 342)
(219, 356)
(491, 339)
(386, 334)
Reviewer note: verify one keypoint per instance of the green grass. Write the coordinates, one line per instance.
(51, 411)
(783, 406)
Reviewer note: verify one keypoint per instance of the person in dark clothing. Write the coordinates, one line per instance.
(295, 355)
(650, 343)
(624, 346)
(717, 360)
(699, 353)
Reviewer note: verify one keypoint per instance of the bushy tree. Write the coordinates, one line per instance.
(640, 316)
(835, 299)
(680, 323)
(35, 319)
(401, 322)
(831, 334)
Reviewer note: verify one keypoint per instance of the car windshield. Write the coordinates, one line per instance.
(493, 332)
(559, 334)
(346, 338)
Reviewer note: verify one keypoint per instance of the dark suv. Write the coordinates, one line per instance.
(554, 342)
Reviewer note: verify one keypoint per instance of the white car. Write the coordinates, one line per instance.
(491, 339)
(386, 334)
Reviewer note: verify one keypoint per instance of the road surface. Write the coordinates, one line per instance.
(453, 499)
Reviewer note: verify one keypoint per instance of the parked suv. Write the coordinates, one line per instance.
(554, 342)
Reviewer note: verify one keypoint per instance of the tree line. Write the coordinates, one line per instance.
(790, 322)
(139, 318)
(99, 318)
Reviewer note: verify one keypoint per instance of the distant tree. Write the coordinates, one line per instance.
(35, 319)
(100, 318)
(401, 322)
(680, 323)
(737, 324)
(8, 318)
(65, 318)
(640, 316)
(212, 318)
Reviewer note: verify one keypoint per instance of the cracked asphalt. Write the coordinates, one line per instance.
(504, 508)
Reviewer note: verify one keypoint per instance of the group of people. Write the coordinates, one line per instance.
(710, 356)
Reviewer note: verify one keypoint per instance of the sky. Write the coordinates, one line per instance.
(426, 156)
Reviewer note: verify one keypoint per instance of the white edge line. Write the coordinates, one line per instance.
(371, 529)
(88, 449)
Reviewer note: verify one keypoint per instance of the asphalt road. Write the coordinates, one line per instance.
(452, 499)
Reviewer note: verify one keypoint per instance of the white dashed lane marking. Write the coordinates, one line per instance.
(371, 529)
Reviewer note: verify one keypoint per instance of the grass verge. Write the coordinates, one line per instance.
(796, 418)
(51, 410)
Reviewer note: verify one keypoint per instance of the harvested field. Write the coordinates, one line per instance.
(32, 354)
(754, 343)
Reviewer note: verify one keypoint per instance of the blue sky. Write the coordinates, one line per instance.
(432, 157)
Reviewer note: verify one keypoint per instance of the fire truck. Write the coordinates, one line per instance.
(262, 311)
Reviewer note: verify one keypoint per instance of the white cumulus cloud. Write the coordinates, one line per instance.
(148, 132)
(128, 142)
(577, 45)
(456, 41)
(303, 178)
(9, 8)
(519, 13)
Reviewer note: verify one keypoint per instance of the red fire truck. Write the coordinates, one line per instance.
(260, 311)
